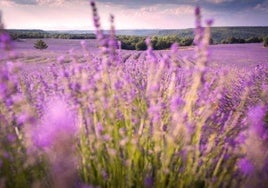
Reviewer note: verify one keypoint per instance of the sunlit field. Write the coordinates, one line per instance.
(89, 114)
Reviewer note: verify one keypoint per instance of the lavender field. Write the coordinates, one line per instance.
(231, 55)
(88, 114)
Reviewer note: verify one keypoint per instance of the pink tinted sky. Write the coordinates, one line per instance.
(134, 14)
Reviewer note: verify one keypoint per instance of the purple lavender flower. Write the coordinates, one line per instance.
(58, 124)
(150, 52)
(245, 166)
(256, 119)
(155, 112)
(5, 41)
(209, 22)
(148, 181)
(176, 103)
(3, 90)
(241, 138)
(11, 138)
(105, 175)
(118, 85)
(174, 48)
(197, 11)
(99, 129)
(265, 166)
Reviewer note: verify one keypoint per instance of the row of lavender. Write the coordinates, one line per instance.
(154, 122)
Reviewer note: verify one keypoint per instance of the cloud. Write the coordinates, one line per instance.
(212, 5)
(131, 13)
(262, 7)
(26, 2)
(227, 5)
(180, 10)
(44, 2)
(40, 2)
(230, 5)
(166, 10)
(5, 3)
(218, 1)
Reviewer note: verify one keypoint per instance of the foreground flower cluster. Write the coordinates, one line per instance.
(154, 122)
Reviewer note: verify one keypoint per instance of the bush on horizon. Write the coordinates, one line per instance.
(40, 44)
(265, 41)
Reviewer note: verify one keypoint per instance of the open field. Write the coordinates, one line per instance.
(232, 55)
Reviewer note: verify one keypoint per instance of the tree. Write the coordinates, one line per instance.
(253, 40)
(232, 40)
(141, 45)
(40, 44)
(211, 41)
(265, 41)
(186, 41)
(163, 44)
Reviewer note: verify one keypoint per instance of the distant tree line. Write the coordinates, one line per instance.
(157, 42)
(219, 33)
(28, 34)
(233, 40)
(165, 42)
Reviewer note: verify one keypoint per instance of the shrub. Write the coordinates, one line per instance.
(211, 41)
(40, 44)
(162, 44)
(186, 41)
(141, 45)
(253, 40)
(265, 41)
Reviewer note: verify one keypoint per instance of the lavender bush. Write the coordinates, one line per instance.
(153, 121)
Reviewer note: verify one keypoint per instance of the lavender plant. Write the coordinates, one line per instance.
(157, 120)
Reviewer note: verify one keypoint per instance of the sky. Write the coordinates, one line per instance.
(130, 14)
